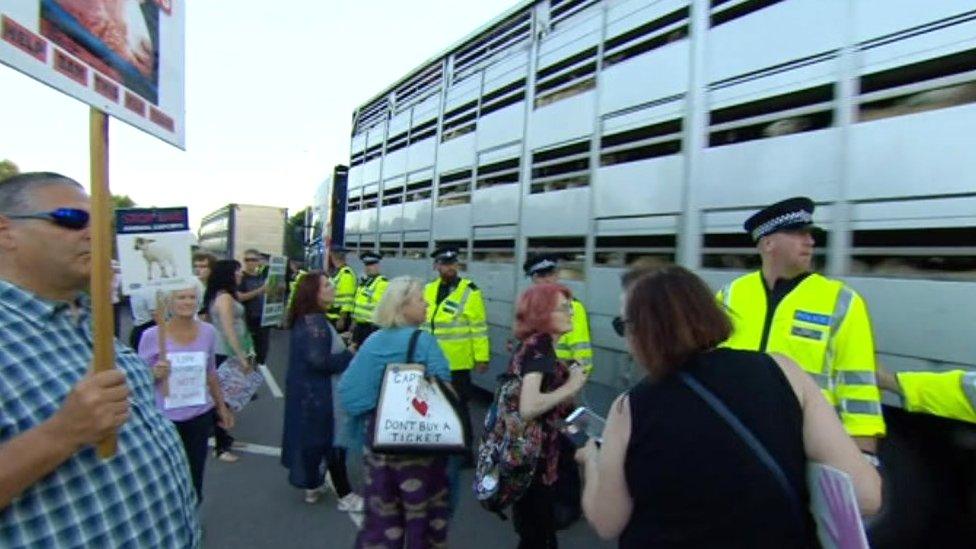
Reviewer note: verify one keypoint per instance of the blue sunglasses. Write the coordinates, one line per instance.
(68, 218)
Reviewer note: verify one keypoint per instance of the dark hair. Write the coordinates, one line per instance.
(671, 315)
(305, 300)
(205, 256)
(533, 312)
(221, 279)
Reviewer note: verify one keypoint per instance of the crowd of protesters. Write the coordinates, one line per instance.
(655, 481)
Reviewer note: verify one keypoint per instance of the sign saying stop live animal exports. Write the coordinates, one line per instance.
(414, 413)
(154, 248)
(124, 57)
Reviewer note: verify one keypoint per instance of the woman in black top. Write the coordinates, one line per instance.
(671, 472)
(543, 313)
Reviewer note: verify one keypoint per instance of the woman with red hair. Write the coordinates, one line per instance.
(543, 313)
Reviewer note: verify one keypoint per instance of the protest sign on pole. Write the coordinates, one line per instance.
(123, 57)
(274, 297)
(154, 246)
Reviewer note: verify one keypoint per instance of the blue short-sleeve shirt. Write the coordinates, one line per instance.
(141, 497)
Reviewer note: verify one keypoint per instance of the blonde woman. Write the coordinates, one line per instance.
(191, 341)
(399, 314)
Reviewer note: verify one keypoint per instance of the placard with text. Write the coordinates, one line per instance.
(415, 414)
(124, 57)
(274, 298)
(154, 248)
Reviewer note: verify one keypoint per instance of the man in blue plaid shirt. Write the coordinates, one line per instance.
(54, 490)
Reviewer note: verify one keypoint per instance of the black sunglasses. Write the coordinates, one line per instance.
(620, 325)
(68, 218)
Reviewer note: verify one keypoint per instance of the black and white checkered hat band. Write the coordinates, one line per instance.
(774, 224)
(542, 266)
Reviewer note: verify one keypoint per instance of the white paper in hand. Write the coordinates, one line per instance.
(833, 504)
(187, 380)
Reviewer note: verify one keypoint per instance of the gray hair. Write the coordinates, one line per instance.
(16, 191)
(194, 285)
(389, 311)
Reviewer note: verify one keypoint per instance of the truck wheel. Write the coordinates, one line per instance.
(909, 496)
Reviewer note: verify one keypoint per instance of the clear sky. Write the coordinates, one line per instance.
(269, 99)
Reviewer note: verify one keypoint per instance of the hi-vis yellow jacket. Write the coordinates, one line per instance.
(345, 285)
(822, 325)
(292, 286)
(458, 323)
(368, 294)
(947, 394)
(575, 345)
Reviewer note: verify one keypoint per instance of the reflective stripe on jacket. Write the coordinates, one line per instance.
(368, 294)
(575, 345)
(947, 394)
(822, 325)
(345, 285)
(458, 323)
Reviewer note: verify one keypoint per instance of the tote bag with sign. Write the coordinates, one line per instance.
(416, 413)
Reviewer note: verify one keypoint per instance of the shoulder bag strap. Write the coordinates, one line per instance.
(746, 435)
(412, 346)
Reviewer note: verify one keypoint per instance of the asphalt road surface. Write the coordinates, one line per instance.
(249, 504)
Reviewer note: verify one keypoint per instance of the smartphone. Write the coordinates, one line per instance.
(583, 424)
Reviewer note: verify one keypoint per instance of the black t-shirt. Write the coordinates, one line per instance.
(539, 356)
(255, 305)
(694, 482)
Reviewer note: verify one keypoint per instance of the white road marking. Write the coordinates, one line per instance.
(270, 380)
(274, 451)
(250, 448)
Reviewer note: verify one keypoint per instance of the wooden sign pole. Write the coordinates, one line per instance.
(160, 317)
(101, 267)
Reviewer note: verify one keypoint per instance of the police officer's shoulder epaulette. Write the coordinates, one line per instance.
(473, 286)
(577, 301)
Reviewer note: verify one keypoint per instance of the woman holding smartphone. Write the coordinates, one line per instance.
(543, 313)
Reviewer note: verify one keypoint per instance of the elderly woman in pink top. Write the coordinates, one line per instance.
(187, 390)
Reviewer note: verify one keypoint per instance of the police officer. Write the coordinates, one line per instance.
(344, 280)
(949, 394)
(575, 345)
(456, 317)
(571, 346)
(371, 288)
(820, 323)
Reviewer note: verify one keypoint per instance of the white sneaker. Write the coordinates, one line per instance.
(328, 484)
(313, 496)
(352, 503)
